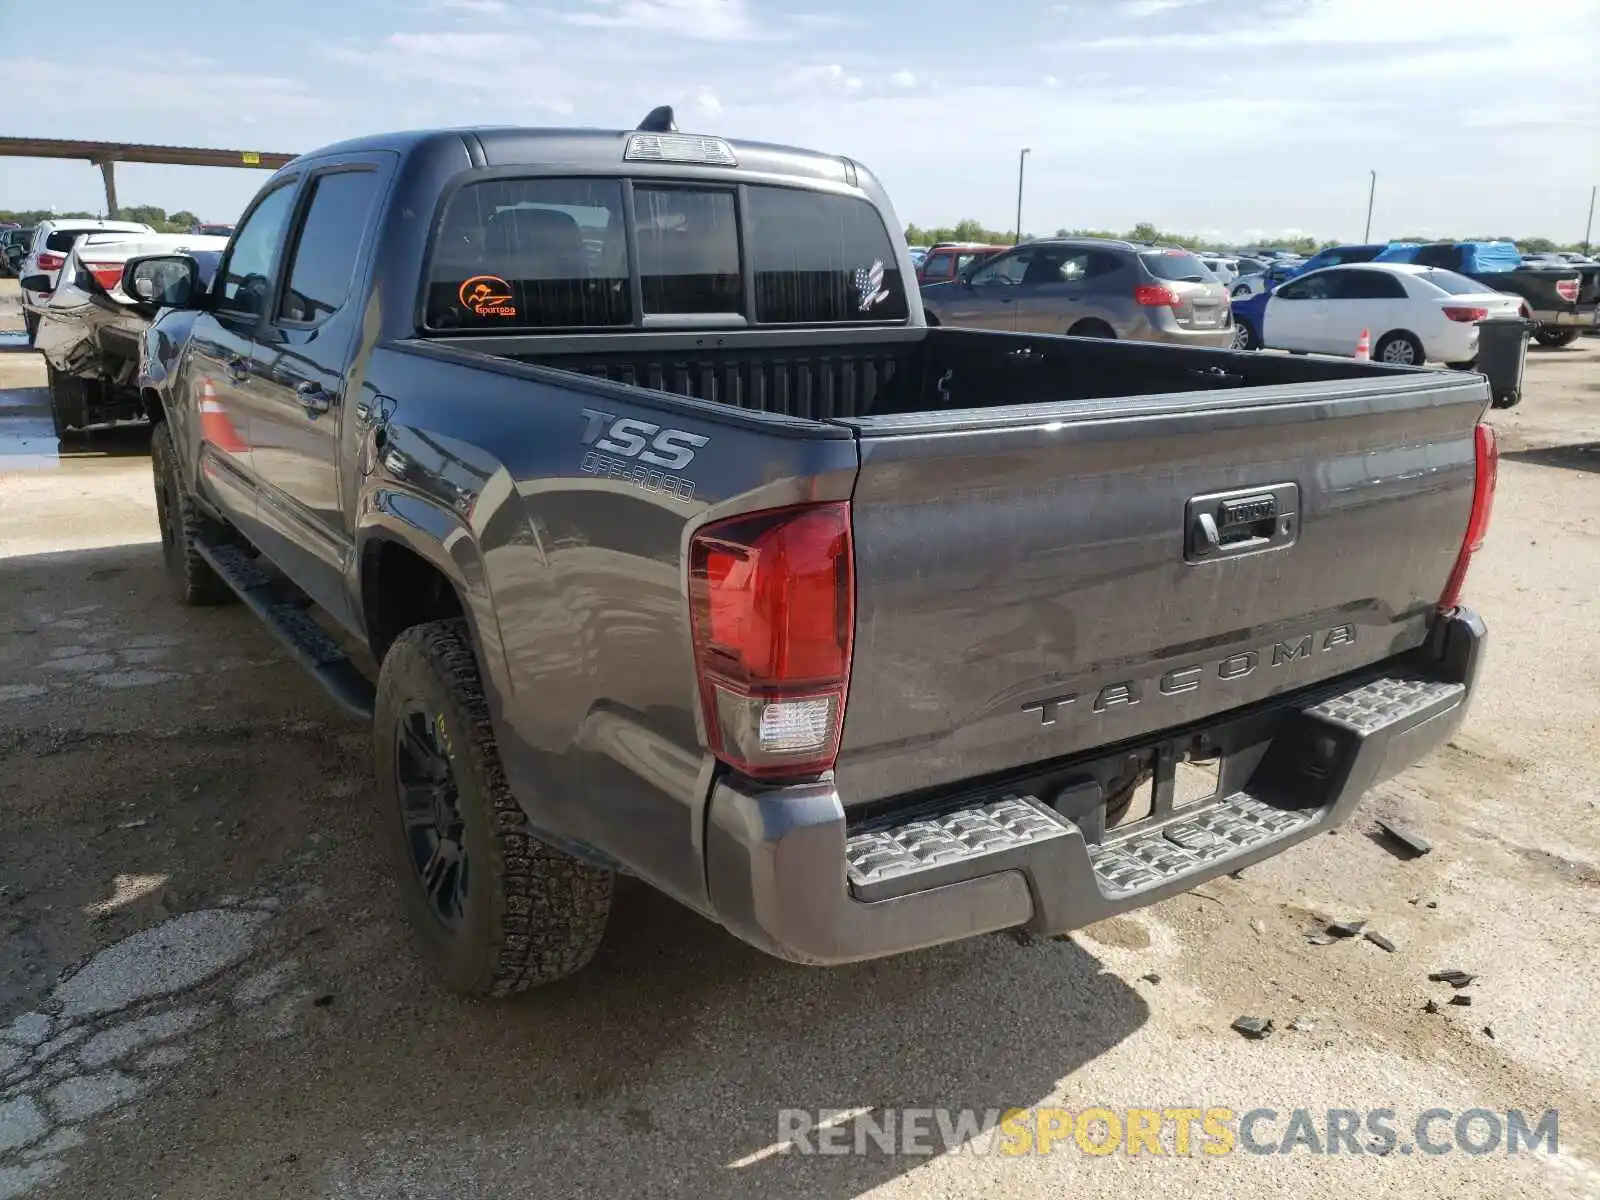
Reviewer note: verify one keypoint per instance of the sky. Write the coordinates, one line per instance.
(1236, 119)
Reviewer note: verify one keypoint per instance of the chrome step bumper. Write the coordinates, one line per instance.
(786, 874)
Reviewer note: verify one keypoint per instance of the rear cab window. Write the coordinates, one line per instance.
(1178, 266)
(1449, 281)
(518, 254)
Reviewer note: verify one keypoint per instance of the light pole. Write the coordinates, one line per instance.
(1372, 189)
(1022, 161)
(1588, 227)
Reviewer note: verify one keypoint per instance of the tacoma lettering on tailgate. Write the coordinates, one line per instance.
(1191, 678)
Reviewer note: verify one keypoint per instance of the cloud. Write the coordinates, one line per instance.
(1352, 22)
(712, 20)
(824, 20)
(471, 8)
(903, 79)
(1140, 9)
(706, 103)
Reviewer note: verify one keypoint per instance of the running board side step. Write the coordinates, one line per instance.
(286, 611)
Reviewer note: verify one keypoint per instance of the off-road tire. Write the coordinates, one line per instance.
(1555, 337)
(533, 914)
(30, 325)
(193, 581)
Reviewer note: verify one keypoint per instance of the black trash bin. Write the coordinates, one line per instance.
(1502, 356)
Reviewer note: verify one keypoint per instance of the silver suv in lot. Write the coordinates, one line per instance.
(1088, 287)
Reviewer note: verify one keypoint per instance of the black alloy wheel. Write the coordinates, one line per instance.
(430, 812)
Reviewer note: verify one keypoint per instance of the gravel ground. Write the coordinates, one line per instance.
(205, 989)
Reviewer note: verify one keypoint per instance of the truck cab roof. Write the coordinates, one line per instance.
(587, 150)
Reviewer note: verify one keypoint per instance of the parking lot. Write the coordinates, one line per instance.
(170, 773)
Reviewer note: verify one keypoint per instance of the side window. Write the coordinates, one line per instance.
(1369, 285)
(327, 245)
(1004, 268)
(937, 266)
(247, 277)
(1435, 256)
(1298, 289)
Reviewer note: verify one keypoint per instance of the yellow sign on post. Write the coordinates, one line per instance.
(251, 158)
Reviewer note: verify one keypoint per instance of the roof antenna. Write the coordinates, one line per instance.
(659, 121)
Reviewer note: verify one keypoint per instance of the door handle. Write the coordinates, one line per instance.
(313, 397)
(238, 369)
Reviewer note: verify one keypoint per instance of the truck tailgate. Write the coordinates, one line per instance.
(1039, 581)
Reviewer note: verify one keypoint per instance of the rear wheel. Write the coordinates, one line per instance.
(493, 909)
(1555, 336)
(31, 324)
(182, 525)
(1399, 350)
(1092, 329)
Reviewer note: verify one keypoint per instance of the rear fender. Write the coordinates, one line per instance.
(442, 539)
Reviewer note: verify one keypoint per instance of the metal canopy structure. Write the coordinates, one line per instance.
(106, 155)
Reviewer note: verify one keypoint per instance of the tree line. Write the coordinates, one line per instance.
(147, 214)
(973, 231)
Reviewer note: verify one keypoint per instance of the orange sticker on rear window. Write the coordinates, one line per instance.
(488, 296)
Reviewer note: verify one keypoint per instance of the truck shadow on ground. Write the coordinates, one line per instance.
(1579, 456)
(661, 1069)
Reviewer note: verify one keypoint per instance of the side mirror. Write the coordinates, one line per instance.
(36, 283)
(163, 280)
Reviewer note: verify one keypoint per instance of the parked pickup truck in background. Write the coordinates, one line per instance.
(681, 547)
(1561, 300)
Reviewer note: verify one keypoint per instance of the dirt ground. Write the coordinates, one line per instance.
(160, 762)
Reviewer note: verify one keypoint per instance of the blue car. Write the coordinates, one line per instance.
(1262, 282)
(1248, 311)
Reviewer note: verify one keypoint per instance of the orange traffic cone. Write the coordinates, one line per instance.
(215, 426)
(1364, 347)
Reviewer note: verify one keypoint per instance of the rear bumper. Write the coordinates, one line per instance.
(1582, 317)
(1161, 327)
(787, 875)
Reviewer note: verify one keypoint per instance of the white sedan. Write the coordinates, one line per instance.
(1412, 314)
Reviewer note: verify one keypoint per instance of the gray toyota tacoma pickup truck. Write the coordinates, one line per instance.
(616, 477)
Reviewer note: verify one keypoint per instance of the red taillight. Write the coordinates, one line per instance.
(1458, 312)
(1524, 311)
(772, 605)
(1486, 453)
(107, 275)
(1155, 296)
(1567, 289)
(50, 262)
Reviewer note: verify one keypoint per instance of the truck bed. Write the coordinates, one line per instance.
(1031, 505)
(878, 373)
